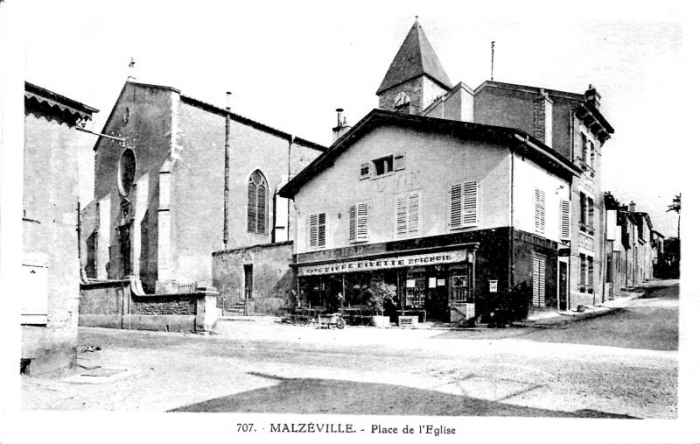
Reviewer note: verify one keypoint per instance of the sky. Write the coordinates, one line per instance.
(291, 64)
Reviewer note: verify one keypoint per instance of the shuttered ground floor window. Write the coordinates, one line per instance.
(538, 281)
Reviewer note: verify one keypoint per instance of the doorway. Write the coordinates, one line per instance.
(563, 286)
(125, 249)
(248, 281)
(436, 305)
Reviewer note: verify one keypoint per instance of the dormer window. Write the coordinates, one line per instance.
(383, 165)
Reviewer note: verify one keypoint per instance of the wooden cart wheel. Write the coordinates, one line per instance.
(340, 324)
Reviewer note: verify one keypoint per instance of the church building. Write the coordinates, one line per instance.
(178, 179)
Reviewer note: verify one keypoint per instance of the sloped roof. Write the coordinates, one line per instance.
(513, 138)
(215, 110)
(41, 101)
(415, 58)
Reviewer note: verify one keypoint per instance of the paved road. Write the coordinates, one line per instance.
(622, 365)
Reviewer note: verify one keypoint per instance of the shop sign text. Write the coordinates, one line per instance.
(391, 262)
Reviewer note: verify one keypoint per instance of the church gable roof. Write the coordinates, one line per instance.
(416, 57)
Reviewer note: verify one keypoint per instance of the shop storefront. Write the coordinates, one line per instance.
(433, 285)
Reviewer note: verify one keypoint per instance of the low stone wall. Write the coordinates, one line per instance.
(120, 304)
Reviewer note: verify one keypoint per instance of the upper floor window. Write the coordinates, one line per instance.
(586, 214)
(257, 203)
(464, 204)
(383, 165)
(317, 230)
(539, 211)
(408, 215)
(587, 154)
(359, 222)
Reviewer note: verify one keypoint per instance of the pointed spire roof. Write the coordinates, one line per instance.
(415, 58)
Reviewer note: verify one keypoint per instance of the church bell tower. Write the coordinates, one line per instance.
(415, 78)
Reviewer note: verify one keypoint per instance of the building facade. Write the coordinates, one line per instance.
(631, 246)
(571, 124)
(458, 219)
(185, 180)
(50, 267)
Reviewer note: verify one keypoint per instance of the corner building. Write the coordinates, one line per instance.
(570, 124)
(456, 215)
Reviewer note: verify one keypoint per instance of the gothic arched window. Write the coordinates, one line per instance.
(257, 203)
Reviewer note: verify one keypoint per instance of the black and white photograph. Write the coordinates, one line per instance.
(431, 221)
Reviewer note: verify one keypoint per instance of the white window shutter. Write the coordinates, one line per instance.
(362, 222)
(313, 230)
(456, 206)
(470, 205)
(322, 229)
(565, 219)
(401, 216)
(399, 162)
(353, 223)
(539, 210)
(538, 280)
(413, 214)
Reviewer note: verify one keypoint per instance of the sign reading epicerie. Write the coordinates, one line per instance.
(417, 260)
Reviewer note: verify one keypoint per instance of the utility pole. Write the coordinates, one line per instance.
(493, 54)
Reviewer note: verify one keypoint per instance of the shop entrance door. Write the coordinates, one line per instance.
(436, 305)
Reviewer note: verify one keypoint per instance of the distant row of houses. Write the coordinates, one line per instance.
(460, 201)
(634, 251)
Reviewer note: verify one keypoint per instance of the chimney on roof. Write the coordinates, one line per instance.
(342, 126)
(633, 206)
(592, 96)
(542, 118)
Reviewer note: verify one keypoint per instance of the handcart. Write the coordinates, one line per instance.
(298, 316)
(331, 320)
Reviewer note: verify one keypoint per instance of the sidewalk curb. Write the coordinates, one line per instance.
(564, 319)
(568, 319)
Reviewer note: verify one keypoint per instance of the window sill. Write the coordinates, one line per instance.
(465, 227)
(382, 176)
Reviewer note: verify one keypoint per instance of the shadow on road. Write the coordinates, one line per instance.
(328, 396)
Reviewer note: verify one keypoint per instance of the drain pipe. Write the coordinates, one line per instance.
(511, 242)
(226, 167)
